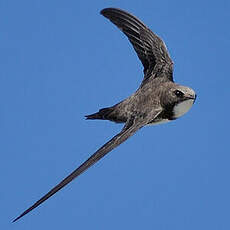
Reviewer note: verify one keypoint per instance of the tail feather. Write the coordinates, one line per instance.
(109, 113)
(103, 114)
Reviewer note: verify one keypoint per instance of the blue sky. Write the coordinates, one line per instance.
(61, 60)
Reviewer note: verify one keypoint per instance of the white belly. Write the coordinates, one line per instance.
(159, 122)
(178, 111)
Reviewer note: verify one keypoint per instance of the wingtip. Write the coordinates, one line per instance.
(108, 9)
(103, 11)
(17, 218)
(20, 216)
(23, 214)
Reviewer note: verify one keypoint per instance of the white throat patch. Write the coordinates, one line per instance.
(182, 108)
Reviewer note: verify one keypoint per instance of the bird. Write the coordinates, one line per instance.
(157, 100)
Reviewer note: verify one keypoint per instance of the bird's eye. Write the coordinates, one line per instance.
(178, 93)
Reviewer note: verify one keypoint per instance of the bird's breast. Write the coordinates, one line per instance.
(181, 108)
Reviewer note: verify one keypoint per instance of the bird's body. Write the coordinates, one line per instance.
(157, 100)
(157, 93)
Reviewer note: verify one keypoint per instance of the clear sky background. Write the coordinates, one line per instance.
(61, 60)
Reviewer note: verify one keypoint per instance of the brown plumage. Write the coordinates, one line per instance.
(157, 100)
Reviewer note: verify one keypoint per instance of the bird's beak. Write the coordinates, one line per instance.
(191, 97)
(194, 99)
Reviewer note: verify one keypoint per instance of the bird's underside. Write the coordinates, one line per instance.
(153, 102)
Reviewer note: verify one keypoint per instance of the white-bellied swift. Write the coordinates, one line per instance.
(157, 100)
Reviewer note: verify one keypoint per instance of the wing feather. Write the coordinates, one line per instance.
(129, 129)
(150, 49)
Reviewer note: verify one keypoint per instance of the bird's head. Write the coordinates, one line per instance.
(179, 98)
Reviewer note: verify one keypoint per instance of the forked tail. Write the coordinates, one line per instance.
(103, 114)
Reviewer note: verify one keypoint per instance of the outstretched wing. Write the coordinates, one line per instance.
(131, 126)
(150, 49)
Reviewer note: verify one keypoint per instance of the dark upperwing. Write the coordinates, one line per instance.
(150, 49)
